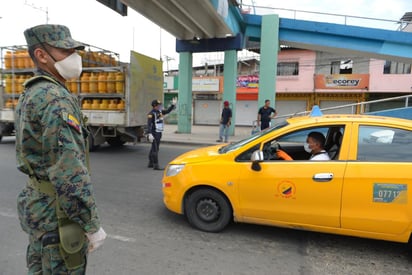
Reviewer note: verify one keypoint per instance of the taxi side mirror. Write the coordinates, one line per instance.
(256, 158)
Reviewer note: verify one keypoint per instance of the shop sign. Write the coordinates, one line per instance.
(342, 81)
(205, 84)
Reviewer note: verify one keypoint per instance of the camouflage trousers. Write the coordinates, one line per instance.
(48, 261)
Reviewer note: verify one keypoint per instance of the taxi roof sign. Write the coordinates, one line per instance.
(316, 111)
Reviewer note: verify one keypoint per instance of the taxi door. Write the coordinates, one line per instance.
(377, 191)
(294, 192)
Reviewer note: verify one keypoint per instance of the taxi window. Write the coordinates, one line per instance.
(293, 143)
(300, 136)
(376, 143)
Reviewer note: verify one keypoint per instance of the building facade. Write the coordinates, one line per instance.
(304, 78)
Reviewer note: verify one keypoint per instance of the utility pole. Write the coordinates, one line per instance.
(168, 58)
(45, 10)
(160, 44)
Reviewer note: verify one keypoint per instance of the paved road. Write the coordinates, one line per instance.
(145, 238)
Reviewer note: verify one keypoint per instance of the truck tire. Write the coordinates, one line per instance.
(115, 141)
(91, 144)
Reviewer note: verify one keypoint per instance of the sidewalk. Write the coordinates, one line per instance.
(201, 134)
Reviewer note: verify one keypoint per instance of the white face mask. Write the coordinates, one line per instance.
(70, 67)
(306, 147)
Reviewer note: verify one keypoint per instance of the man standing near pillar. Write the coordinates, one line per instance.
(265, 115)
(225, 121)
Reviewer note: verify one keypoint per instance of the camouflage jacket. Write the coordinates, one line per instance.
(50, 139)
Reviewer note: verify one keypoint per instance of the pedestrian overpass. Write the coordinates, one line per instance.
(220, 25)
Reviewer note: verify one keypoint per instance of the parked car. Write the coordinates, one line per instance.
(365, 190)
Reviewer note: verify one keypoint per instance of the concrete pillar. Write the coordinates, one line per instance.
(269, 46)
(184, 115)
(229, 86)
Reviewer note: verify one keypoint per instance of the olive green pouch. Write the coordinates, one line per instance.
(72, 240)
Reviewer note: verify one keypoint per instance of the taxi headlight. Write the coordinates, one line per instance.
(174, 169)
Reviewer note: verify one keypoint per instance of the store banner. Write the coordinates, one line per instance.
(342, 81)
(204, 84)
(247, 81)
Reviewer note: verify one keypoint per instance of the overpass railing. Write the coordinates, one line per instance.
(359, 108)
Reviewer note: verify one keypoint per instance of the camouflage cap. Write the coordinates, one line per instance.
(55, 35)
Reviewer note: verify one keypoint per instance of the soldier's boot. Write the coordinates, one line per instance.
(150, 164)
(157, 167)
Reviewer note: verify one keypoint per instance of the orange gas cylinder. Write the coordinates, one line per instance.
(84, 83)
(9, 84)
(19, 80)
(102, 83)
(113, 104)
(120, 105)
(87, 104)
(93, 83)
(20, 59)
(104, 105)
(105, 59)
(94, 59)
(111, 82)
(8, 60)
(9, 103)
(27, 60)
(74, 86)
(96, 104)
(119, 83)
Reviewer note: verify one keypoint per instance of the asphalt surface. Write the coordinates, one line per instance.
(145, 238)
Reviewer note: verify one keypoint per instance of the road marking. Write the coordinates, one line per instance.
(8, 214)
(122, 238)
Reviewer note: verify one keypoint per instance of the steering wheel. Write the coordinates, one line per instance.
(274, 147)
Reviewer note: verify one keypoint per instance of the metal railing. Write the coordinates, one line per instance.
(356, 108)
(345, 19)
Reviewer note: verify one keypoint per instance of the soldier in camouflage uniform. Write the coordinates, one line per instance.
(51, 149)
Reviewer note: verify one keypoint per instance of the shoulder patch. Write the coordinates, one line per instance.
(72, 121)
(149, 116)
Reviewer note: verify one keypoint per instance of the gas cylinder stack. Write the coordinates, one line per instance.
(114, 96)
(101, 85)
(16, 68)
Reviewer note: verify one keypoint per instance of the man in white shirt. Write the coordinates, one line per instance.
(314, 145)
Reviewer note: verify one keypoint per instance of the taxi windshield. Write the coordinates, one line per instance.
(238, 144)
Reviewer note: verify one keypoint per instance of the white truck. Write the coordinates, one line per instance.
(115, 97)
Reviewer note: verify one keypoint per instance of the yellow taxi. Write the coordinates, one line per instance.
(363, 189)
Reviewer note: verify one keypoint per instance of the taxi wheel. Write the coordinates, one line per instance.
(208, 210)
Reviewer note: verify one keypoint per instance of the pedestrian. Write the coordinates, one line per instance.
(56, 208)
(155, 126)
(225, 121)
(265, 114)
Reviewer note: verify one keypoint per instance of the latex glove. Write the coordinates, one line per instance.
(283, 155)
(150, 138)
(174, 101)
(96, 239)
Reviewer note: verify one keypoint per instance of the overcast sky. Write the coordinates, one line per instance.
(93, 23)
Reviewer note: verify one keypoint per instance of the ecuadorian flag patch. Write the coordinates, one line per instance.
(73, 122)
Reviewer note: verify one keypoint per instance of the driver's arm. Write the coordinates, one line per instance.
(283, 155)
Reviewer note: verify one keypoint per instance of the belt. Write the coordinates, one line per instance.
(50, 238)
(42, 186)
